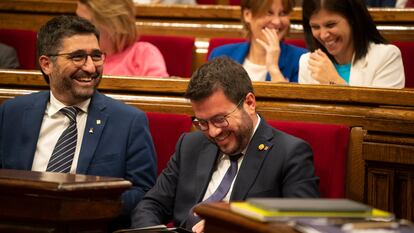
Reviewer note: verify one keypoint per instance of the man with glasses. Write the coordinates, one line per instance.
(73, 128)
(234, 155)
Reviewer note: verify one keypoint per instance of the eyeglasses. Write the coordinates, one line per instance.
(218, 121)
(79, 57)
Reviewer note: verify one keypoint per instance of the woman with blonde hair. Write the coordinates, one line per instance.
(125, 55)
(265, 56)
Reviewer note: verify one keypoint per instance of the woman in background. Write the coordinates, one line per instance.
(265, 56)
(347, 48)
(125, 55)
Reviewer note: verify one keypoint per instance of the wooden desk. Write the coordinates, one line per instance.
(219, 219)
(56, 202)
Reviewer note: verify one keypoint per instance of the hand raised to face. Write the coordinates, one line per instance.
(322, 69)
(272, 48)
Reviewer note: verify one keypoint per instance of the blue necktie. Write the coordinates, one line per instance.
(62, 156)
(221, 190)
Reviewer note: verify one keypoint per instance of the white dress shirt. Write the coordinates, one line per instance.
(223, 165)
(53, 124)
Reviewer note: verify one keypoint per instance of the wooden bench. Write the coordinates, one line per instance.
(383, 174)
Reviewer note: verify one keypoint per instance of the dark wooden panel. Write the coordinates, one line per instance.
(379, 186)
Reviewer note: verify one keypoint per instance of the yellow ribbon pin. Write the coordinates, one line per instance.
(261, 147)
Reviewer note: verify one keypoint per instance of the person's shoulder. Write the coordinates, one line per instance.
(304, 57)
(118, 106)
(194, 140)
(230, 47)
(293, 49)
(5, 49)
(23, 101)
(383, 49)
(237, 51)
(144, 46)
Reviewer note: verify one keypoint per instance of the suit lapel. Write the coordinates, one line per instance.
(95, 123)
(252, 161)
(32, 121)
(205, 165)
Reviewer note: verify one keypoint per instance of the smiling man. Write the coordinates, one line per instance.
(234, 155)
(73, 128)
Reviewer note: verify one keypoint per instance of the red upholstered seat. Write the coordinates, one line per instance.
(407, 51)
(234, 2)
(329, 144)
(24, 41)
(177, 52)
(207, 2)
(166, 129)
(296, 42)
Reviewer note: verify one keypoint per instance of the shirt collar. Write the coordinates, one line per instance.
(55, 105)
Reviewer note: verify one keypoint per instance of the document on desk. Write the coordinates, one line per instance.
(309, 205)
(289, 209)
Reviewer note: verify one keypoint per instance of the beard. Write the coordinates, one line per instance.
(241, 135)
(67, 87)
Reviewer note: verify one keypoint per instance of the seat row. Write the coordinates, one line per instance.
(329, 143)
(178, 51)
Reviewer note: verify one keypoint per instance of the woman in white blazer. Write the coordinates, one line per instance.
(347, 48)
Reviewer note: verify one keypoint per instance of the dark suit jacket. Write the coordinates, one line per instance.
(284, 169)
(8, 57)
(120, 146)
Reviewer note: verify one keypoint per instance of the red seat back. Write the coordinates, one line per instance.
(207, 2)
(177, 52)
(166, 129)
(329, 144)
(24, 41)
(407, 51)
(234, 2)
(296, 42)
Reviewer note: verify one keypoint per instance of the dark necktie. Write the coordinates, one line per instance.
(62, 156)
(227, 180)
(221, 190)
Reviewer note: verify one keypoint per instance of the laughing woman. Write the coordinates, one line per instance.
(265, 56)
(347, 48)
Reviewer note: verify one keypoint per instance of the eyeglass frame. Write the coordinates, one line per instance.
(71, 56)
(196, 122)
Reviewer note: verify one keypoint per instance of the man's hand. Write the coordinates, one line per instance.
(199, 227)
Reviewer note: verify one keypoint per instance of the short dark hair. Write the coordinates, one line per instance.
(51, 34)
(362, 25)
(221, 73)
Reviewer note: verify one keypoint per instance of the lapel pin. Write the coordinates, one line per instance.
(261, 147)
(98, 122)
(266, 148)
(91, 130)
